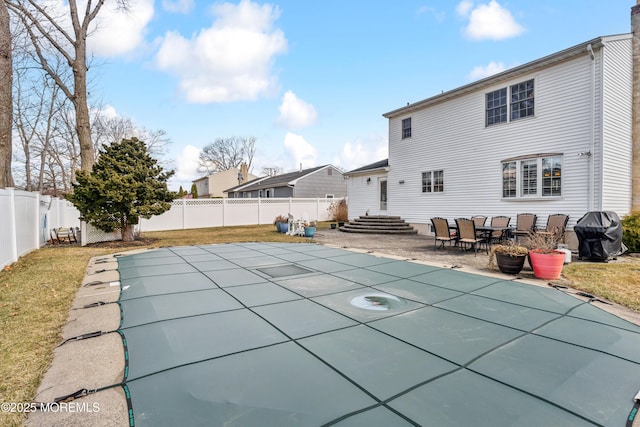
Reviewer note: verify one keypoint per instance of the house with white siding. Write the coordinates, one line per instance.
(325, 181)
(550, 136)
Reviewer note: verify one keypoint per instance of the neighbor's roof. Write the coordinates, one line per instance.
(371, 167)
(283, 180)
(527, 68)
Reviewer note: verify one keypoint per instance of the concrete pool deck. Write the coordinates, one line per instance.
(260, 290)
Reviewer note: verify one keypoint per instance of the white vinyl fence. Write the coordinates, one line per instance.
(202, 213)
(26, 219)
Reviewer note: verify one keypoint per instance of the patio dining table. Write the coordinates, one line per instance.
(486, 231)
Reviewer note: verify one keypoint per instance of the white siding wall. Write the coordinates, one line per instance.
(616, 161)
(366, 197)
(452, 136)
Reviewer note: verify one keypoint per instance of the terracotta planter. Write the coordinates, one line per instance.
(547, 266)
(509, 264)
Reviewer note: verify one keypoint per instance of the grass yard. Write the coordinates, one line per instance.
(617, 281)
(36, 294)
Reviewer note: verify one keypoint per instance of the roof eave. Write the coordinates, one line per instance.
(513, 72)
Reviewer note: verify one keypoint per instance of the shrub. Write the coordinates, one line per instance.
(631, 231)
(339, 211)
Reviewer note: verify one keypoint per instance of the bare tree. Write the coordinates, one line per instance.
(227, 153)
(107, 130)
(271, 171)
(6, 100)
(46, 31)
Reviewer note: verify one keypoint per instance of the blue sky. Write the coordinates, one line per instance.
(311, 80)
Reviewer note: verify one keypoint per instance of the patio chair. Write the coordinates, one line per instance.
(467, 234)
(479, 220)
(556, 224)
(499, 221)
(443, 235)
(525, 225)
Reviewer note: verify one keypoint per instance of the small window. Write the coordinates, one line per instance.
(406, 128)
(433, 181)
(532, 177)
(509, 179)
(496, 106)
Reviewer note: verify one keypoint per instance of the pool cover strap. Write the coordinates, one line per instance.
(85, 336)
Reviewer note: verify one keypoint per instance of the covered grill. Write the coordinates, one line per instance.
(599, 235)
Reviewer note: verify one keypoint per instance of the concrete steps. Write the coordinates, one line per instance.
(378, 224)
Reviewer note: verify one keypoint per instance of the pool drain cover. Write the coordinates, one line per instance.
(378, 302)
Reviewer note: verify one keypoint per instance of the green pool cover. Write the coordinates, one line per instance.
(285, 334)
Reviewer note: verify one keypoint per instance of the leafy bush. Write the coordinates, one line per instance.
(631, 231)
(339, 211)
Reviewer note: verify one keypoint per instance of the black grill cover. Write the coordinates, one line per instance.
(599, 235)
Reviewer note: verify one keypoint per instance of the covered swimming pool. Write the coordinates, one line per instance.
(295, 334)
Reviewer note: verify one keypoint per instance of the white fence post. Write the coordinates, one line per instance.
(259, 211)
(13, 235)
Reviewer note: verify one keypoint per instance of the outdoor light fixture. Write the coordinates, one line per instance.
(585, 153)
(401, 181)
(369, 180)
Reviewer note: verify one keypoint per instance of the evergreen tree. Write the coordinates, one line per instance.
(194, 191)
(125, 183)
(181, 192)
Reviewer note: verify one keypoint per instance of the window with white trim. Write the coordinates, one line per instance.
(406, 128)
(433, 181)
(532, 177)
(520, 104)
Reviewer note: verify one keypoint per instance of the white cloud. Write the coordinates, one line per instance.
(229, 61)
(108, 112)
(489, 21)
(490, 69)
(464, 7)
(296, 113)
(115, 32)
(362, 152)
(427, 10)
(186, 167)
(300, 151)
(178, 6)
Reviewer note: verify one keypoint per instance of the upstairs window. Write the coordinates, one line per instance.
(497, 106)
(406, 128)
(534, 177)
(522, 100)
(520, 104)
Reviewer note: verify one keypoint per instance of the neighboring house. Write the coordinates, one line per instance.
(322, 181)
(549, 136)
(214, 185)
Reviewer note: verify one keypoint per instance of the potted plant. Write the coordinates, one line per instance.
(281, 219)
(544, 257)
(509, 257)
(309, 229)
(339, 212)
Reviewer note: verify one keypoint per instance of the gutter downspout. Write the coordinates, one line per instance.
(591, 160)
(635, 108)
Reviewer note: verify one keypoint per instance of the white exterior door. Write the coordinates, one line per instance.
(383, 195)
